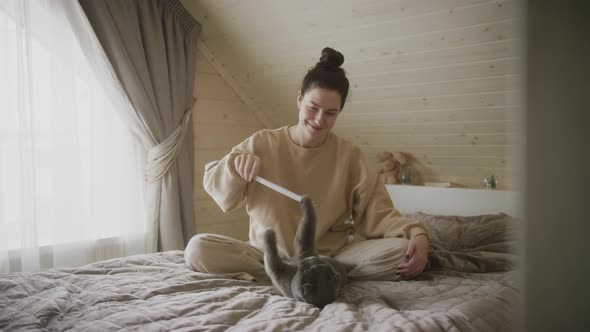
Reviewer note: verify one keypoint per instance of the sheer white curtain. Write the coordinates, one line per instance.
(71, 173)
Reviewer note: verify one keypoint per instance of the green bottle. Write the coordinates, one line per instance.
(491, 182)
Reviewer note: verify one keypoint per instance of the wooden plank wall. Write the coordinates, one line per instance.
(438, 79)
(221, 120)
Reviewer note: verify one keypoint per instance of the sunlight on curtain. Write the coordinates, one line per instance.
(71, 174)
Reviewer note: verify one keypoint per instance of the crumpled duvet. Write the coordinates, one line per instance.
(483, 243)
(158, 292)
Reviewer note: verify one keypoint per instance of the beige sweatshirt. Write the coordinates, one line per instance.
(335, 175)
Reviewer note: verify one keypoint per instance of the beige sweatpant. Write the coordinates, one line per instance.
(223, 255)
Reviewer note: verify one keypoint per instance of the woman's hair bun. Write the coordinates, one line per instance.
(331, 58)
(327, 74)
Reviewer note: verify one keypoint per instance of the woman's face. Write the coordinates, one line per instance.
(318, 110)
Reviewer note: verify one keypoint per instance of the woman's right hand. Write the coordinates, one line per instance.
(247, 166)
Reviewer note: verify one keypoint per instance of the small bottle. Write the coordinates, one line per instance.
(490, 182)
(406, 177)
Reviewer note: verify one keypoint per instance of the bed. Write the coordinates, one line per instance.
(470, 286)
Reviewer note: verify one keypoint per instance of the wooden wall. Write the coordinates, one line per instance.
(438, 79)
(221, 120)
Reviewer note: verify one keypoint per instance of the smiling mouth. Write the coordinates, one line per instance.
(314, 127)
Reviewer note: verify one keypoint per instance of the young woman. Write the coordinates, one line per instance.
(308, 159)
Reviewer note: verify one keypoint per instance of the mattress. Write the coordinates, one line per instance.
(158, 292)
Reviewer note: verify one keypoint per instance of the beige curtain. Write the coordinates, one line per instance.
(151, 45)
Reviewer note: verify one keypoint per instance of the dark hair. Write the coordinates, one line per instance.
(327, 74)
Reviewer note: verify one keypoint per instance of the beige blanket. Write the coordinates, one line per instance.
(484, 243)
(157, 292)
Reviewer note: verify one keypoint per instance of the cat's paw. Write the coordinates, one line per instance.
(270, 238)
(306, 203)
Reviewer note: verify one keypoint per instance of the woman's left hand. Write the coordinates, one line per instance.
(416, 257)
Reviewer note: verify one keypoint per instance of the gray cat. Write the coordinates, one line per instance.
(305, 277)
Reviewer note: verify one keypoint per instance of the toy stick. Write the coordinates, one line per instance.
(278, 188)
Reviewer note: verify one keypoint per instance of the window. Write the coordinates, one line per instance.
(71, 173)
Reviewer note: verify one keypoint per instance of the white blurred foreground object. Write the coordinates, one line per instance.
(278, 188)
